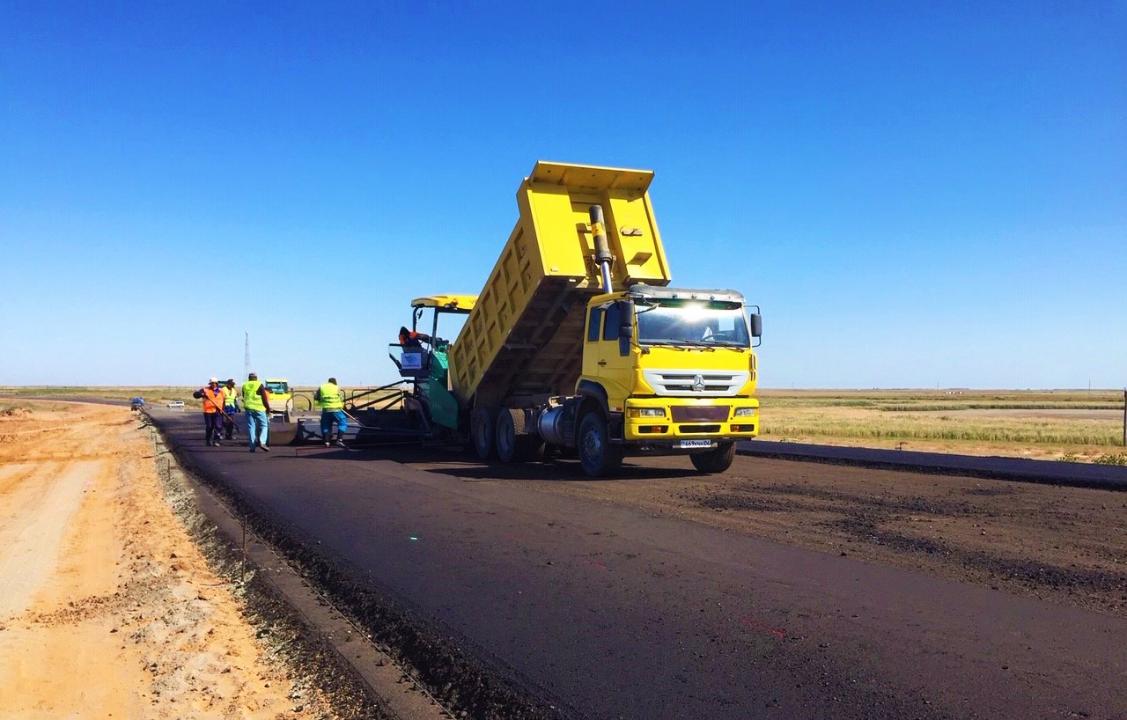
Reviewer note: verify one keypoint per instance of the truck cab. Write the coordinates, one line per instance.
(671, 370)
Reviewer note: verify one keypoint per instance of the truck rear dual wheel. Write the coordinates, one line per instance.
(716, 460)
(481, 433)
(514, 442)
(596, 453)
(507, 434)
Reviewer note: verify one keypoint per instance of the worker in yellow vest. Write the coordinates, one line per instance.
(230, 409)
(256, 403)
(331, 400)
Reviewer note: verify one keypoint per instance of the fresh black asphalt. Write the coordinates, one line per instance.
(609, 612)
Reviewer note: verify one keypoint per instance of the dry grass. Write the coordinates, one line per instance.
(1062, 424)
(1059, 424)
(155, 393)
(19, 395)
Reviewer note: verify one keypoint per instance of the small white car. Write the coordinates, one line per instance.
(175, 404)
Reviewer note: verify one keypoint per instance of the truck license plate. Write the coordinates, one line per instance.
(685, 444)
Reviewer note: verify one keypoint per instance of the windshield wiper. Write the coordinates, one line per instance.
(684, 344)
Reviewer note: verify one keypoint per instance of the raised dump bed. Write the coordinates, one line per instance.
(524, 338)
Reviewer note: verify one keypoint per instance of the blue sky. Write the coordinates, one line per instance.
(915, 196)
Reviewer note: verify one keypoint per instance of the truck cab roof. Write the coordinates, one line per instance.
(649, 292)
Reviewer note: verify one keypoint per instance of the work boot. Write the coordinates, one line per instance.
(264, 448)
(327, 443)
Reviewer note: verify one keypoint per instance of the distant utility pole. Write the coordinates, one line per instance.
(246, 353)
(1124, 417)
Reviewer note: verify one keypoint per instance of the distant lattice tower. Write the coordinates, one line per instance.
(246, 353)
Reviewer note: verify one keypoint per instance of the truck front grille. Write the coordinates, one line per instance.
(696, 383)
(704, 413)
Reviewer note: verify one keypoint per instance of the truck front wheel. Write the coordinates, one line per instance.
(715, 461)
(596, 454)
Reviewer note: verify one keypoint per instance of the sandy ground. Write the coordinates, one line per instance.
(107, 607)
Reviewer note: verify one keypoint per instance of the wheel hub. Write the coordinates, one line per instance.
(592, 444)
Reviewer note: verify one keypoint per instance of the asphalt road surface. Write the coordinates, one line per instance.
(607, 611)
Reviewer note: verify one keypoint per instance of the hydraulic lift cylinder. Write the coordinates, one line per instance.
(602, 249)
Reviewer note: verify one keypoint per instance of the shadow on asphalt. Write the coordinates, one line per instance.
(460, 464)
(554, 472)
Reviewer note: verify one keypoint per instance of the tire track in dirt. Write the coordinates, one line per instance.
(30, 543)
(108, 608)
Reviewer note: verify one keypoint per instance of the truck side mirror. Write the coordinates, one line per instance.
(626, 318)
(626, 329)
(756, 325)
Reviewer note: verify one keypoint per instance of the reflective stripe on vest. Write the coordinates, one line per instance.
(251, 399)
(331, 397)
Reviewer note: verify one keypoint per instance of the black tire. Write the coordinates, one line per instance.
(507, 435)
(596, 454)
(514, 442)
(481, 433)
(715, 461)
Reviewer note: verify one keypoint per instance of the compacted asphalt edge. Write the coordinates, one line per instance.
(511, 603)
(325, 629)
(470, 682)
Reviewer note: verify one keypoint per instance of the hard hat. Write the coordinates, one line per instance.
(213, 380)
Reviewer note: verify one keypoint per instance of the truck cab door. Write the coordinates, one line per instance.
(592, 343)
(615, 357)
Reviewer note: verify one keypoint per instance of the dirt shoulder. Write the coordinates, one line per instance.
(109, 608)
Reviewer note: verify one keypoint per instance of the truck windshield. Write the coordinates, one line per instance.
(275, 387)
(692, 322)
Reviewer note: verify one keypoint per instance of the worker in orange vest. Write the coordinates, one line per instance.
(412, 339)
(212, 400)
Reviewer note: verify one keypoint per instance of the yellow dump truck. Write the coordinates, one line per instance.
(576, 343)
